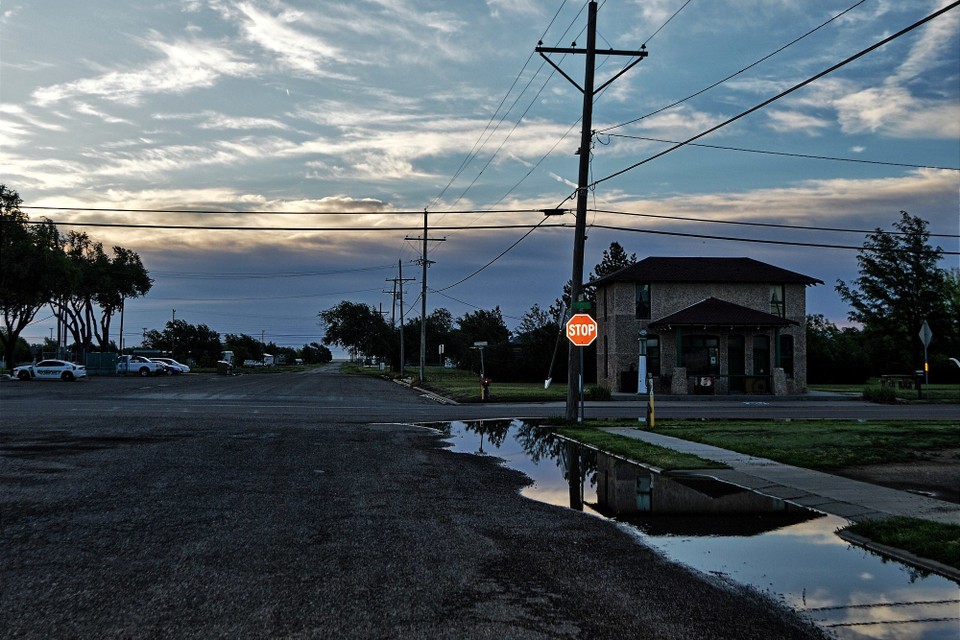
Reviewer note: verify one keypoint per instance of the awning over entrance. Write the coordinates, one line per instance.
(714, 312)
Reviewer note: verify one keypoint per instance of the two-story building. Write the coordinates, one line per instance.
(706, 325)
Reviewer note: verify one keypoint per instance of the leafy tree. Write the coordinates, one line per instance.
(358, 328)
(315, 353)
(98, 286)
(900, 285)
(538, 338)
(834, 355)
(244, 347)
(439, 327)
(186, 341)
(32, 269)
(612, 260)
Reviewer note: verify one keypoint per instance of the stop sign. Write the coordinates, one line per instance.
(581, 329)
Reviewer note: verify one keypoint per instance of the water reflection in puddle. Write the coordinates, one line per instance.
(792, 554)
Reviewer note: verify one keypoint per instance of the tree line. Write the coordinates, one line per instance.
(84, 284)
(900, 285)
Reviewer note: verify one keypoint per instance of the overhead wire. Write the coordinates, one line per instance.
(783, 94)
(735, 74)
(787, 154)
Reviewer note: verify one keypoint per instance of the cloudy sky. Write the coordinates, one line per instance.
(294, 144)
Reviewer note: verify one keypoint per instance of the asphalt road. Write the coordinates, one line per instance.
(301, 506)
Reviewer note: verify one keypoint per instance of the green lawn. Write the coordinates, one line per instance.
(822, 444)
(931, 540)
(464, 386)
(931, 393)
(666, 459)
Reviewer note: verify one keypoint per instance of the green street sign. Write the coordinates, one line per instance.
(582, 305)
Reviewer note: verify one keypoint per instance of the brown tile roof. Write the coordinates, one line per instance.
(714, 312)
(679, 269)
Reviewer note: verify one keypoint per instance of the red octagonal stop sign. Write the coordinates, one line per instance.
(581, 329)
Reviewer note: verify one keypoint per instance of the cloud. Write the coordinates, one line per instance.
(894, 111)
(788, 121)
(184, 65)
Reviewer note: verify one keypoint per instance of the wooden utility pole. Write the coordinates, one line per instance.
(398, 285)
(424, 263)
(586, 135)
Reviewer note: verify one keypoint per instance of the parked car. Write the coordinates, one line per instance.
(50, 370)
(174, 366)
(139, 365)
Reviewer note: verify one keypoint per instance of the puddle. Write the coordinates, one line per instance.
(790, 553)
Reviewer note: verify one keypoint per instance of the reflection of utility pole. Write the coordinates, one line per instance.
(424, 263)
(586, 136)
(398, 287)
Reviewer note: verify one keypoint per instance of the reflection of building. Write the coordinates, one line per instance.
(713, 325)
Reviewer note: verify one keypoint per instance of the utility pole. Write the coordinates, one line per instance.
(424, 263)
(586, 135)
(399, 280)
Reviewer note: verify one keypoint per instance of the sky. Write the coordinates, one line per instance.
(295, 145)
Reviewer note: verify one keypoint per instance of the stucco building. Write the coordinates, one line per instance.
(708, 325)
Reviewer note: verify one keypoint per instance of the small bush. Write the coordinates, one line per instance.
(881, 395)
(596, 392)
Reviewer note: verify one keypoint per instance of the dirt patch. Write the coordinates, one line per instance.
(936, 476)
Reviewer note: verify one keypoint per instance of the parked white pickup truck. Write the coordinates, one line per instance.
(138, 365)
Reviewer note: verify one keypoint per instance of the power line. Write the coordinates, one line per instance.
(787, 243)
(786, 154)
(733, 75)
(782, 94)
(764, 224)
(285, 213)
(195, 275)
(123, 225)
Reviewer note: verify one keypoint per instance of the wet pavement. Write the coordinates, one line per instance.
(734, 531)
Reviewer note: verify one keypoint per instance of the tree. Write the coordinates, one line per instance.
(900, 285)
(538, 338)
(439, 326)
(98, 287)
(244, 347)
(315, 353)
(834, 355)
(612, 260)
(184, 341)
(32, 269)
(356, 327)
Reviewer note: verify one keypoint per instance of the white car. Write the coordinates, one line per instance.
(50, 370)
(173, 365)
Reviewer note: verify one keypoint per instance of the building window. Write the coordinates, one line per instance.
(761, 355)
(653, 355)
(643, 301)
(701, 355)
(778, 306)
(786, 354)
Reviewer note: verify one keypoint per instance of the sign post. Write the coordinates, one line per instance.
(925, 335)
(581, 331)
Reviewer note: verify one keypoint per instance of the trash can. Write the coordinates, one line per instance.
(224, 368)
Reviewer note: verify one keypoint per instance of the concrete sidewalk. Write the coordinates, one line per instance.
(850, 499)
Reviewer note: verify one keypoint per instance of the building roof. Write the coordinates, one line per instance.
(696, 269)
(714, 312)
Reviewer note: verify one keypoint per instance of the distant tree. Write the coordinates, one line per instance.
(315, 353)
(32, 269)
(244, 347)
(900, 285)
(537, 339)
(612, 260)
(439, 326)
(358, 328)
(834, 355)
(185, 341)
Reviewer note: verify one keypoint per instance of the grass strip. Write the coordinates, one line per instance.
(638, 450)
(932, 540)
(819, 444)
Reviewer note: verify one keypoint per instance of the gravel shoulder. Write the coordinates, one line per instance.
(257, 527)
